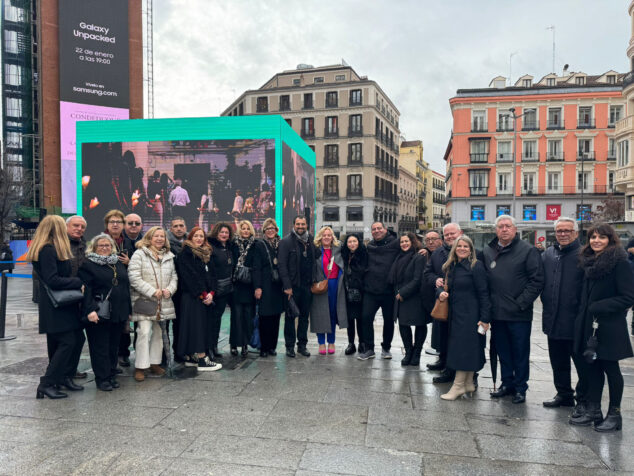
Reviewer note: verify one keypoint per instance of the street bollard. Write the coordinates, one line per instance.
(3, 307)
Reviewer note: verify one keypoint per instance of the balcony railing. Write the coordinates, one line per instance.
(628, 79)
(555, 124)
(331, 162)
(479, 191)
(534, 157)
(529, 191)
(479, 157)
(355, 131)
(586, 123)
(585, 155)
(479, 126)
(355, 102)
(355, 160)
(308, 134)
(330, 104)
(503, 192)
(612, 154)
(355, 194)
(331, 195)
(554, 157)
(507, 157)
(331, 133)
(285, 107)
(504, 126)
(530, 125)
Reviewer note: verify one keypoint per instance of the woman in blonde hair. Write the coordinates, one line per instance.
(469, 311)
(328, 309)
(51, 257)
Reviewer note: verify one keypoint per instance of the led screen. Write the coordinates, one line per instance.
(298, 188)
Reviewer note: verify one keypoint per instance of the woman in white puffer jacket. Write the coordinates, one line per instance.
(153, 281)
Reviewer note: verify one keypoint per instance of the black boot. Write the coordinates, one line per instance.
(50, 391)
(579, 409)
(415, 362)
(438, 365)
(612, 422)
(592, 415)
(70, 385)
(409, 352)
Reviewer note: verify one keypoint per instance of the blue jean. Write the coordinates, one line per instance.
(333, 287)
(513, 344)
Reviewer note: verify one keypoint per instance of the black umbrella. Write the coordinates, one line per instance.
(493, 359)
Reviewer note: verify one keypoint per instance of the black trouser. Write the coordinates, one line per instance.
(596, 373)
(303, 298)
(269, 331)
(440, 339)
(103, 343)
(513, 342)
(125, 341)
(79, 346)
(419, 336)
(371, 304)
(216, 318)
(560, 352)
(60, 347)
(355, 312)
(241, 324)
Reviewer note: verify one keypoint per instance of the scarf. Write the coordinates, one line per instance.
(244, 245)
(117, 241)
(158, 254)
(303, 237)
(596, 266)
(203, 252)
(274, 243)
(103, 260)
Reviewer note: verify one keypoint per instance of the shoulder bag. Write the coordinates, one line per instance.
(63, 297)
(104, 306)
(321, 287)
(352, 294)
(242, 273)
(148, 306)
(275, 274)
(440, 312)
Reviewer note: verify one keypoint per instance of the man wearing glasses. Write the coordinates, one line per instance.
(560, 298)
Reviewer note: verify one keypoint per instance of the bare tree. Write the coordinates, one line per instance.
(610, 209)
(14, 191)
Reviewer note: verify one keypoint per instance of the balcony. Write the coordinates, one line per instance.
(555, 157)
(331, 162)
(479, 157)
(530, 125)
(331, 104)
(626, 123)
(355, 131)
(612, 154)
(586, 123)
(532, 157)
(505, 191)
(355, 160)
(331, 195)
(628, 79)
(479, 126)
(285, 106)
(331, 133)
(354, 194)
(354, 102)
(585, 155)
(479, 191)
(554, 125)
(529, 191)
(503, 126)
(310, 134)
(507, 157)
(308, 106)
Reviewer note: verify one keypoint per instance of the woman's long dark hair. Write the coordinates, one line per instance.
(213, 235)
(413, 239)
(601, 229)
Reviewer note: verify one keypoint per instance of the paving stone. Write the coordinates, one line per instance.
(328, 429)
(115, 413)
(402, 417)
(358, 460)
(316, 410)
(22, 458)
(374, 385)
(546, 430)
(346, 395)
(186, 419)
(32, 408)
(194, 467)
(289, 387)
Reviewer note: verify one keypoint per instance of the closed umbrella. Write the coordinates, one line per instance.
(255, 336)
(493, 359)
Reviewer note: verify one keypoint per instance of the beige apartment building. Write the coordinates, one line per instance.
(353, 127)
(408, 193)
(438, 200)
(411, 158)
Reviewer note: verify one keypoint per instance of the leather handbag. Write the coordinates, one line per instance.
(225, 286)
(275, 274)
(321, 287)
(145, 306)
(440, 312)
(242, 274)
(104, 306)
(63, 297)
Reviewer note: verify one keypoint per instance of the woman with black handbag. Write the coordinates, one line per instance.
(247, 286)
(271, 303)
(106, 307)
(58, 306)
(405, 277)
(601, 335)
(355, 262)
(197, 298)
(222, 262)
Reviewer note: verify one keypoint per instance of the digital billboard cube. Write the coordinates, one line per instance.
(204, 170)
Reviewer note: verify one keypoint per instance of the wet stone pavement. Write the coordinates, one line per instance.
(279, 416)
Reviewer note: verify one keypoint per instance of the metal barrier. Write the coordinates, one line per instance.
(3, 297)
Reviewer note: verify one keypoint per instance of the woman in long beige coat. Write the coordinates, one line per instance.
(153, 282)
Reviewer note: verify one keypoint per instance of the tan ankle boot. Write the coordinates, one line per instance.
(139, 375)
(157, 370)
(458, 387)
(468, 383)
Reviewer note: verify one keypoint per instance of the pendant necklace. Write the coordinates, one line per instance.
(115, 281)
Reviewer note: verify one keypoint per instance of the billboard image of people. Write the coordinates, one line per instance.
(202, 181)
(298, 188)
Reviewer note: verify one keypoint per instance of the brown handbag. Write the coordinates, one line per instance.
(321, 287)
(440, 312)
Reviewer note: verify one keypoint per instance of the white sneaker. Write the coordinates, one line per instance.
(208, 365)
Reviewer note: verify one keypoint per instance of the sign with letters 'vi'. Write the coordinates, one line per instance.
(553, 212)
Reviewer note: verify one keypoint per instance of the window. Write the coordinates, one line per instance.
(296, 82)
(340, 77)
(584, 212)
(529, 148)
(610, 182)
(14, 140)
(354, 185)
(478, 182)
(332, 186)
(332, 99)
(479, 151)
(318, 79)
(526, 83)
(289, 122)
(355, 97)
(14, 107)
(308, 101)
(585, 149)
(241, 109)
(551, 82)
(583, 181)
(585, 117)
(616, 113)
(611, 78)
(479, 121)
(331, 126)
(528, 183)
(553, 182)
(10, 41)
(308, 127)
(262, 104)
(355, 124)
(505, 120)
(529, 213)
(354, 213)
(355, 155)
(554, 150)
(12, 74)
(580, 80)
(331, 214)
(502, 210)
(285, 103)
(504, 179)
(555, 118)
(331, 155)
(611, 148)
(477, 212)
(504, 151)
(623, 153)
(530, 120)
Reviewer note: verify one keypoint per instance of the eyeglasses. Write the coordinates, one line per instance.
(432, 239)
(270, 228)
(107, 245)
(115, 222)
(133, 223)
(564, 232)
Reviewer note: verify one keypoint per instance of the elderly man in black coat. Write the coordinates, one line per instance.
(563, 279)
(516, 278)
(75, 228)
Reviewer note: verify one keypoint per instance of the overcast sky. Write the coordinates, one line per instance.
(207, 52)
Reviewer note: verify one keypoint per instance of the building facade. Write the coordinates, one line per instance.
(411, 158)
(353, 127)
(408, 201)
(536, 151)
(439, 199)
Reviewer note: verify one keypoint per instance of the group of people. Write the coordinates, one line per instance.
(189, 277)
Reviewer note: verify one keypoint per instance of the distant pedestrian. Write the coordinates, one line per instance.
(469, 311)
(355, 261)
(607, 293)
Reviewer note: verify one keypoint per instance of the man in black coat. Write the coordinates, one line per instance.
(377, 292)
(176, 236)
(75, 228)
(516, 278)
(296, 255)
(434, 277)
(563, 279)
